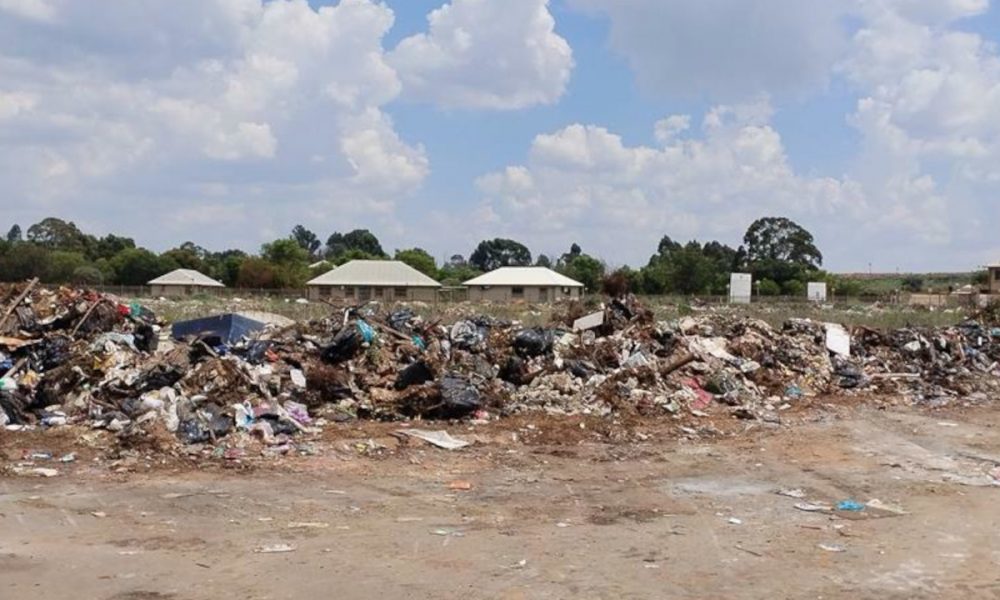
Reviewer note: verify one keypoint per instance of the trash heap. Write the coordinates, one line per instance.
(73, 357)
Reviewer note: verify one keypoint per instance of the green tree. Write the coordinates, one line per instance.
(290, 260)
(543, 261)
(793, 288)
(137, 266)
(363, 240)
(256, 272)
(187, 256)
(306, 239)
(87, 275)
(782, 240)
(14, 235)
(499, 252)
(61, 266)
(27, 261)
(689, 270)
(59, 235)
(768, 287)
(108, 246)
(420, 260)
(913, 283)
(586, 269)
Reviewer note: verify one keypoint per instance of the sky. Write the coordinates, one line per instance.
(875, 124)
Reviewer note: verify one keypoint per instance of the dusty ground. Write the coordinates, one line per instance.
(554, 516)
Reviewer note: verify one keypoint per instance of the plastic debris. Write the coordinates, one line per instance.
(441, 439)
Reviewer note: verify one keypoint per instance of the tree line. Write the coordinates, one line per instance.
(780, 254)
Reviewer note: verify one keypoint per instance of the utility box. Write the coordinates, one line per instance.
(817, 291)
(740, 288)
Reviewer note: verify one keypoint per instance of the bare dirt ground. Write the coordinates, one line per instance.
(557, 515)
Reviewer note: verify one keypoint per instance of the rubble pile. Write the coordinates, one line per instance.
(73, 357)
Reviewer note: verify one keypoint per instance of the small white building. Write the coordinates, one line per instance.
(528, 284)
(816, 291)
(740, 288)
(183, 282)
(365, 280)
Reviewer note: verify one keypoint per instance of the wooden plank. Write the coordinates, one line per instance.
(20, 298)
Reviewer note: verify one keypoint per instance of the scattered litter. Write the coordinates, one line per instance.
(460, 485)
(831, 547)
(275, 549)
(441, 439)
(308, 525)
(850, 506)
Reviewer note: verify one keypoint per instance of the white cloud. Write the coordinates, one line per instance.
(37, 10)
(928, 119)
(583, 183)
(726, 49)
(486, 54)
(102, 109)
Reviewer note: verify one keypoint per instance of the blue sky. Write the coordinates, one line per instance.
(610, 124)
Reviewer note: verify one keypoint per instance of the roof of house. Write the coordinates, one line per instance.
(185, 277)
(524, 276)
(388, 273)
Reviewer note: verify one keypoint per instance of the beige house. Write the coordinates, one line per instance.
(364, 280)
(528, 284)
(183, 282)
(994, 272)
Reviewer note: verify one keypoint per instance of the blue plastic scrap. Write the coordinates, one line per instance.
(366, 331)
(850, 506)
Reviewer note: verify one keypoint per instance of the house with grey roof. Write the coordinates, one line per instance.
(365, 280)
(183, 282)
(527, 284)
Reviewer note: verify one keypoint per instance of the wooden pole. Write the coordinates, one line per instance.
(20, 298)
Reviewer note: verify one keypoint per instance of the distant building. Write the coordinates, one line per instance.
(365, 280)
(816, 291)
(740, 288)
(994, 273)
(183, 282)
(530, 284)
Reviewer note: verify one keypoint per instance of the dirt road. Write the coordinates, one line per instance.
(656, 519)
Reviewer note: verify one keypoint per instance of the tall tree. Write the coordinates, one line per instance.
(60, 235)
(543, 261)
(783, 240)
(108, 246)
(420, 260)
(499, 252)
(14, 235)
(359, 239)
(290, 260)
(586, 269)
(307, 239)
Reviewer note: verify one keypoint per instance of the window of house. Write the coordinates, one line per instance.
(348, 292)
(329, 291)
(399, 292)
(517, 292)
(566, 292)
(379, 292)
(188, 290)
(996, 275)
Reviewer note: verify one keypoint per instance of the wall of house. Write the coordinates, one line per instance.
(368, 293)
(994, 281)
(532, 294)
(179, 291)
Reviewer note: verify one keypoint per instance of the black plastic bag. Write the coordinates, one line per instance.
(534, 342)
(415, 374)
(344, 347)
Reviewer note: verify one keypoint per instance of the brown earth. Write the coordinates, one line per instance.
(558, 508)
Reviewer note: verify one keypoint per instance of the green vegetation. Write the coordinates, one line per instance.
(781, 255)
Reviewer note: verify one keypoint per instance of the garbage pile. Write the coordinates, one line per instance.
(73, 357)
